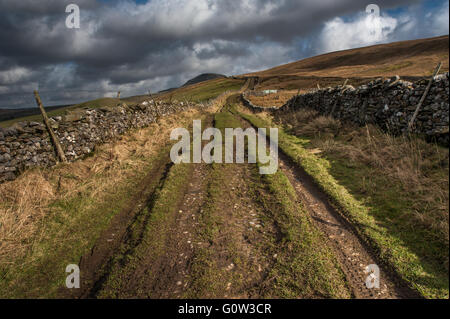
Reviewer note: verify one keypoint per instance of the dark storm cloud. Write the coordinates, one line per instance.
(122, 45)
(45, 8)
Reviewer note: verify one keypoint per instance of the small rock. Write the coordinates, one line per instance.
(230, 267)
(9, 176)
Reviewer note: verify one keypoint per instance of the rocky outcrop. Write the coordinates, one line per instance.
(27, 144)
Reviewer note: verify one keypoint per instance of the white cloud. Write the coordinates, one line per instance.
(14, 75)
(440, 20)
(365, 29)
(419, 23)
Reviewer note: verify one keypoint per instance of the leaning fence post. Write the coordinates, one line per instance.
(53, 136)
(295, 99)
(345, 83)
(337, 98)
(411, 122)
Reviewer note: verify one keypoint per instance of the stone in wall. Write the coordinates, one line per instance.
(27, 144)
(390, 104)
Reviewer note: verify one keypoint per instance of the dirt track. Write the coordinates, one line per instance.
(219, 240)
(353, 254)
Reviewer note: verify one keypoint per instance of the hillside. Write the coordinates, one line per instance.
(416, 58)
(9, 114)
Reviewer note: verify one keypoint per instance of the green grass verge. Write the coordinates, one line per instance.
(306, 267)
(403, 250)
(206, 277)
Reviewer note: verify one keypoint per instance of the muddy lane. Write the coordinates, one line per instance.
(353, 254)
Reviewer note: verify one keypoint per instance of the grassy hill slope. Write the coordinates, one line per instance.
(409, 59)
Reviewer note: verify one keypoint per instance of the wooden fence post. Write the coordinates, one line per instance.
(53, 136)
(411, 122)
(295, 99)
(337, 98)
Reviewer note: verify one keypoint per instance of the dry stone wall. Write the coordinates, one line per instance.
(27, 144)
(390, 104)
(253, 107)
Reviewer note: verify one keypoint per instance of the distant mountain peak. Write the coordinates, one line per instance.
(204, 77)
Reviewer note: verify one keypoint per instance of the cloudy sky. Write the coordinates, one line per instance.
(134, 46)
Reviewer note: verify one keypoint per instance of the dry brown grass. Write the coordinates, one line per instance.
(420, 167)
(406, 58)
(409, 59)
(22, 208)
(274, 99)
(314, 124)
(25, 201)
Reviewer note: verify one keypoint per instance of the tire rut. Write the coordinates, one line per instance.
(129, 239)
(171, 270)
(95, 266)
(352, 252)
(161, 268)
